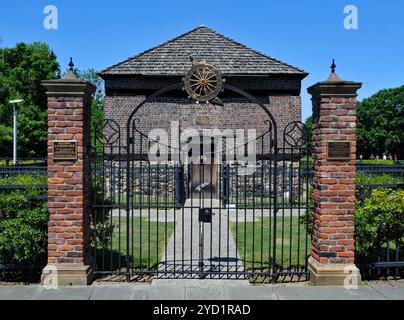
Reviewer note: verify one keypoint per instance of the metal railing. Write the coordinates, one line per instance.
(12, 171)
(390, 258)
(34, 166)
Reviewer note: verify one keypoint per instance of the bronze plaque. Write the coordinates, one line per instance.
(65, 150)
(339, 150)
(202, 121)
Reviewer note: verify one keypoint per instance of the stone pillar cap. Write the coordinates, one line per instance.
(69, 85)
(335, 86)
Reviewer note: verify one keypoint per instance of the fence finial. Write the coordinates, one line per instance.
(333, 66)
(71, 64)
(333, 75)
(70, 72)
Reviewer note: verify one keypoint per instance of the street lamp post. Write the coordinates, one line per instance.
(15, 103)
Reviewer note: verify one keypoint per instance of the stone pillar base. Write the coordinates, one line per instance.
(333, 274)
(67, 275)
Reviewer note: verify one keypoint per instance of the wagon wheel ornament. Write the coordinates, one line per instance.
(203, 82)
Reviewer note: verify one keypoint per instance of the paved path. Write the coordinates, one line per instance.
(192, 243)
(202, 290)
(184, 249)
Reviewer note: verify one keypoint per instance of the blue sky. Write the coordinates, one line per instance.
(307, 34)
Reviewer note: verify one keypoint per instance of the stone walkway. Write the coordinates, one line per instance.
(192, 243)
(202, 290)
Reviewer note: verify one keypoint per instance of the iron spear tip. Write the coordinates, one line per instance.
(71, 64)
(333, 66)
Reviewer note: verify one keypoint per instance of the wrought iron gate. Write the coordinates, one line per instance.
(214, 217)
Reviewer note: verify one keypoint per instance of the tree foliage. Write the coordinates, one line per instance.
(97, 108)
(381, 124)
(379, 219)
(22, 68)
(309, 127)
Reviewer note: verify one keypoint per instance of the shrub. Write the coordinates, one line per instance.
(24, 217)
(379, 219)
(308, 221)
(23, 221)
(101, 226)
(24, 180)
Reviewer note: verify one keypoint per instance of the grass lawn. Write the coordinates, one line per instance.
(145, 201)
(147, 243)
(255, 242)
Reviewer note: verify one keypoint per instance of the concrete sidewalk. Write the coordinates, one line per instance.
(203, 290)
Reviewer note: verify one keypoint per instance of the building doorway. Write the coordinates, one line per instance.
(204, 171)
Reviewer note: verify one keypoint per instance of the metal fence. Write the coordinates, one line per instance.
(13, 171)
(388, 260)
(32, 166)
(395, 170)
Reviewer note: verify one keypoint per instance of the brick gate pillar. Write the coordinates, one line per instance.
(69, 180)
(334, 157)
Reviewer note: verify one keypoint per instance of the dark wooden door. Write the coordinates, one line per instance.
(204, 174)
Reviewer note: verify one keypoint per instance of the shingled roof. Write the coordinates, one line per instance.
(172, 58)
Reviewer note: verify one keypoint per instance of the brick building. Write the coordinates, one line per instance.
(276, 84)
(278, 187)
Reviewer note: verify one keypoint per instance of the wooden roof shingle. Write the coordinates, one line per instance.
(172, 58)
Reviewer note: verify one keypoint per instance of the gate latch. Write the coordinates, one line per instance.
(205, 215)
(202, 186)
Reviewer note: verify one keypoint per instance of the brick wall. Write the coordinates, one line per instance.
(285, 83)
(237, 113)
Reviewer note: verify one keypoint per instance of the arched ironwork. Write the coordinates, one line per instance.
(144, 200)
(178, 86)
(296, 134)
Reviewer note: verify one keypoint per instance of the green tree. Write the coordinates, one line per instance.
(97, 108)
(381, 123)
(309, 126)
(6, 140)
(22, 68)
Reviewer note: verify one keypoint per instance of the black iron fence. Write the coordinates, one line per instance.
(33, 166)
(386, 261)
(395, 170)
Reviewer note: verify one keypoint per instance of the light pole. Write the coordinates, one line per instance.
(15, 103)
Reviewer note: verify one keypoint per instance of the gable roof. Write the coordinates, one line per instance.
(172, 58)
